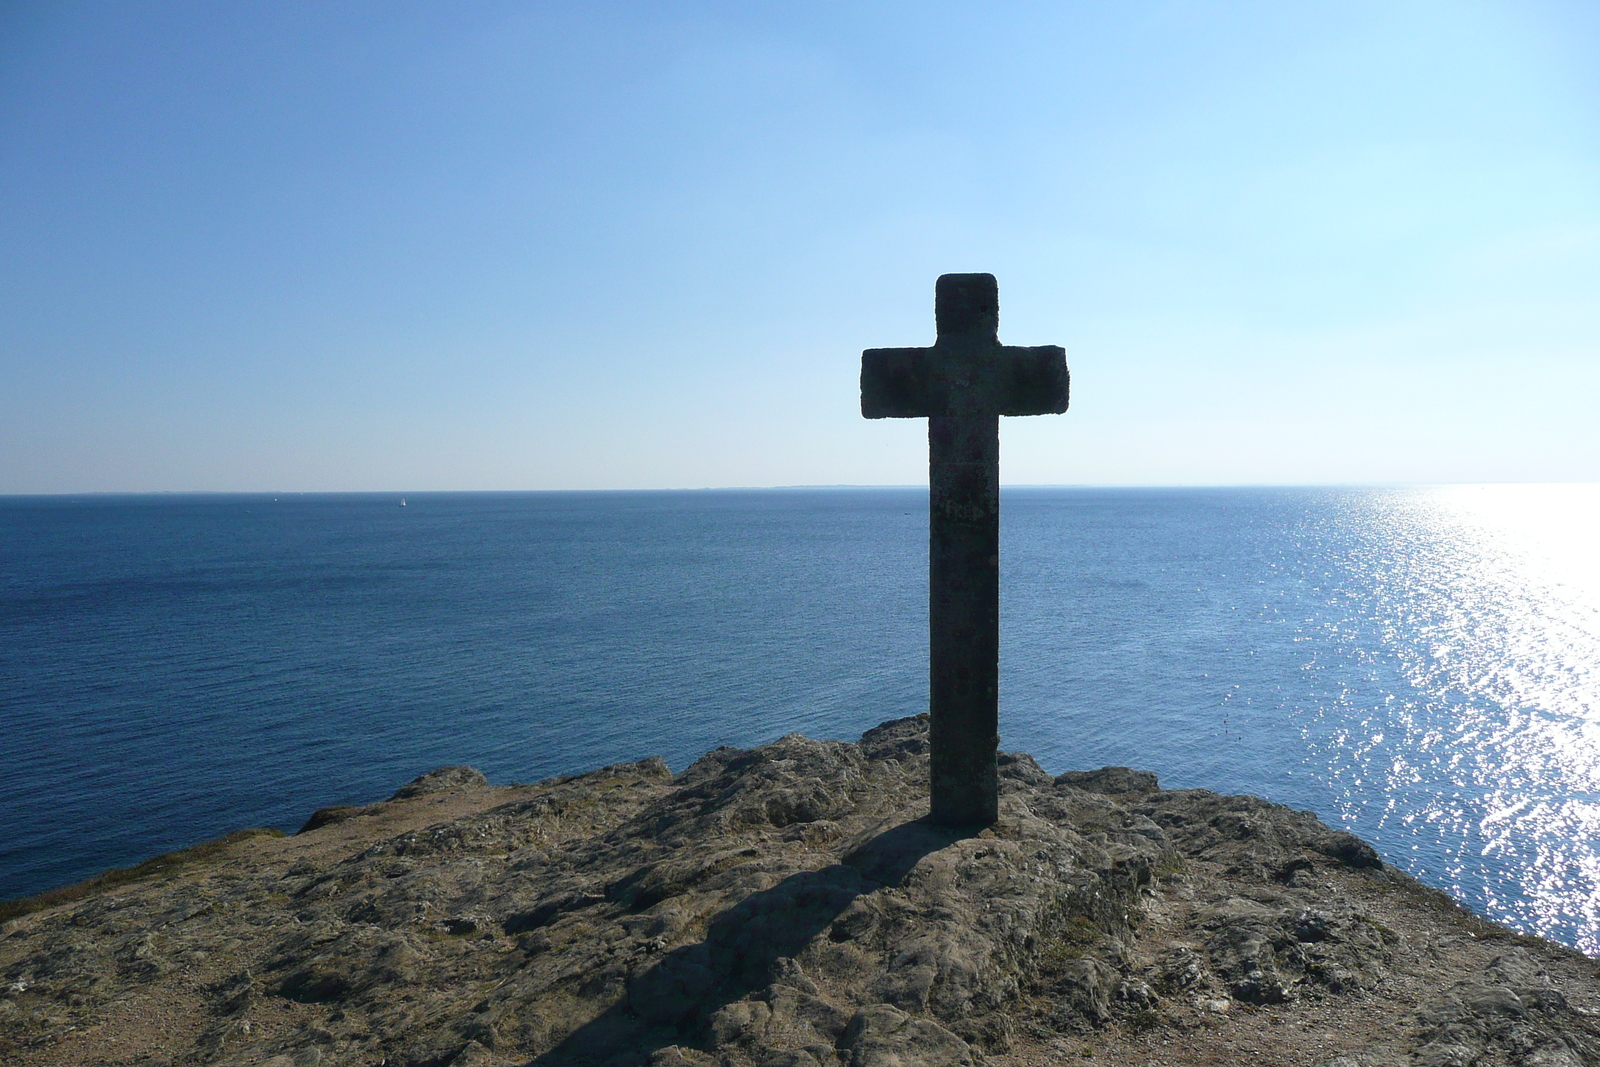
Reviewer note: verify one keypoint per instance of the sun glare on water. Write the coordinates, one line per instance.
(1487, 598)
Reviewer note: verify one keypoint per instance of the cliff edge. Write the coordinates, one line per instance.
(787, 907)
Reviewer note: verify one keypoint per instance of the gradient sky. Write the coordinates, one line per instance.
(389, 245)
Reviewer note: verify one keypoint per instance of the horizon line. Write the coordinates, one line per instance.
(777, 488)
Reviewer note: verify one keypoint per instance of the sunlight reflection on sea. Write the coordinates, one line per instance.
(1488, 599)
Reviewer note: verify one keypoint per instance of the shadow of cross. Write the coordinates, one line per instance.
(749, 947)
(962, 385)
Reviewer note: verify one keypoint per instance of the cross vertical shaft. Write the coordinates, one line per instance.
(962, 385)
(964, 617)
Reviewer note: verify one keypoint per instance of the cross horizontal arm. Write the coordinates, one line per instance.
(909, 383)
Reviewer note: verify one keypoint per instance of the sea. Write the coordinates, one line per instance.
(1418, 665)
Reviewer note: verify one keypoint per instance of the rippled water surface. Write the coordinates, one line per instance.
(1418, 665)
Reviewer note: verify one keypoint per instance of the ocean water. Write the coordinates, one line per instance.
(1421, 666)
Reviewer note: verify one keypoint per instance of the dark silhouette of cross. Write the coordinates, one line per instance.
(962, 385)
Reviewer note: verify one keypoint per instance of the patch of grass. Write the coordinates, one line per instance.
(1383, 930)
(1077, 934)
(165, 864)
(1170, 865)
(1142, 1021)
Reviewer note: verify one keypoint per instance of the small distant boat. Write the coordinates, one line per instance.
(402, 501)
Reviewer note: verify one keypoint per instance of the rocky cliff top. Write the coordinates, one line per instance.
(788, 907)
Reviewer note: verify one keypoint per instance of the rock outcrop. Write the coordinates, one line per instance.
(788, 906)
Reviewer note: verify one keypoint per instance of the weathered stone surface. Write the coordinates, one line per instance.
(791, 906)
(1111, 780)
(440, 780)
(1510, 1011)
(335, 813)
(880, 1035)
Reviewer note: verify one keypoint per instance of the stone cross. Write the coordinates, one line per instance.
(962, 385)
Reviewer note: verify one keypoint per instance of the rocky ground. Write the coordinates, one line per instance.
(789, 907)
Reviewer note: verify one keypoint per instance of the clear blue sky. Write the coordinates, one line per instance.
(391, 245)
